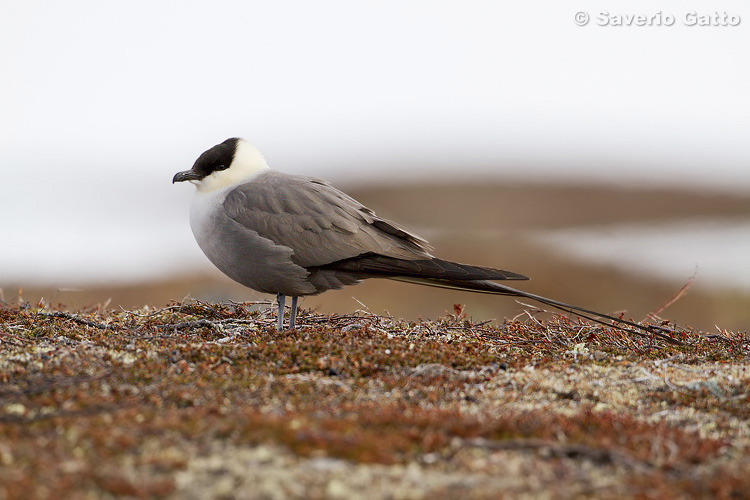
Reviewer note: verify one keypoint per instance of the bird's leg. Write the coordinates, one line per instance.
(280, 298)
(293, 313)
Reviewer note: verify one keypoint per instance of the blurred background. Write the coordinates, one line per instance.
(607, 161)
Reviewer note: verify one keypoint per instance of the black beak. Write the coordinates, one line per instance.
(186, 175)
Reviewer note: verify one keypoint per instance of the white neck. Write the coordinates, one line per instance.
(247, 163)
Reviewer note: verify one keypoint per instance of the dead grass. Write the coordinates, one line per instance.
(200, 400)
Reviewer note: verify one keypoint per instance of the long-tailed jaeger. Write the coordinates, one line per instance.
(293, 235)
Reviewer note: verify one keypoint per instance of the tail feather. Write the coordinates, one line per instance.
(482, 286)
(445, 274)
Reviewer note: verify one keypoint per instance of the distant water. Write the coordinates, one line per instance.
(88, 225)
(91, 249)
(95, 226)
(84, 252)
(716, 250)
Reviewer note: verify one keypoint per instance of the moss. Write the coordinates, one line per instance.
(116, 403)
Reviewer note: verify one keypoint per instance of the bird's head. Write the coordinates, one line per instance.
(226, 164)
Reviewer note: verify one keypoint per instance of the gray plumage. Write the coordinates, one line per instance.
(293, 235)
(309, 225)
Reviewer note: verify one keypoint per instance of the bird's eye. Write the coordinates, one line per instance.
(221, 167)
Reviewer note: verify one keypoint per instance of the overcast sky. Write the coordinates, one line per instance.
(329, 84)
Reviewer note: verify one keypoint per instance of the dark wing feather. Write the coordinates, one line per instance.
(372, 265)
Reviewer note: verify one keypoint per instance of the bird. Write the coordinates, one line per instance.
(294, 236)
